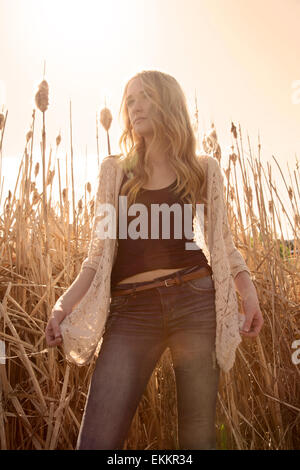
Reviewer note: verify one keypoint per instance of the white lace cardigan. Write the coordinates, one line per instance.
(83, 328)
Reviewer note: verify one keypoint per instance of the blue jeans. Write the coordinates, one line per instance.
(139, 328)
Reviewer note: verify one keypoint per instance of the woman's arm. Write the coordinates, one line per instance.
(96, 244)
(90, 264)
(253, 316)
(236, 260)
(77, 290)
(244, 284)
(241, 275)
(66, 303)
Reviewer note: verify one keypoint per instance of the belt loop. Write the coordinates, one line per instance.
(178, 278)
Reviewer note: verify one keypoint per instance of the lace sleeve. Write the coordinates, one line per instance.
(96, 244)
(236, 260)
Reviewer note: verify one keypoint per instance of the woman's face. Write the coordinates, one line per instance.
(139, 107)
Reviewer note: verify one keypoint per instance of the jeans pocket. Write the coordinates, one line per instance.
(115, 308)
(202, 284)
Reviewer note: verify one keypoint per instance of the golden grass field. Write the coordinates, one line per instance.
(42, 397)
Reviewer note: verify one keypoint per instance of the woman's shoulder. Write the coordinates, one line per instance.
(111, 159)
(207, 159)
(108, 162)
(211, 165)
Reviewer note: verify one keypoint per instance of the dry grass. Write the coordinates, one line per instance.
(42, 397)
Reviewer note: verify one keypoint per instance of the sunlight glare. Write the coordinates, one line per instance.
(76, 24)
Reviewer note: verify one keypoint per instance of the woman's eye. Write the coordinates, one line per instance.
(143, 96)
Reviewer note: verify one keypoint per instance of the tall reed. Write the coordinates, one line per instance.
(42, 397)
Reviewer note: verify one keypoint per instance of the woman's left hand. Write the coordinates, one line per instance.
(253, 316)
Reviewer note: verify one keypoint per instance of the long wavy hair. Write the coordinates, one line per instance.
(172, 128)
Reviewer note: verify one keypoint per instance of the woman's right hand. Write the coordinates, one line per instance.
(53, 331)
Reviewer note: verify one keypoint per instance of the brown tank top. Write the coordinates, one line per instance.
(146, 254)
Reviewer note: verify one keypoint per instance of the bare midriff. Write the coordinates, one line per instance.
(149, 275)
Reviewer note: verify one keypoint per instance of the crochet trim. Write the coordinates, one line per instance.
(83, 328)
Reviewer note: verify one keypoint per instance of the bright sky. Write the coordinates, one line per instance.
(241, 57)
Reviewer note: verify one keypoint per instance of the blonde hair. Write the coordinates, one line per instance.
(172, 127)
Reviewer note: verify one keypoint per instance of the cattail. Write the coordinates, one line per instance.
(290, 193)
(2, 119)
(210, 143)
(271, 206)
(105, 118)
(28, 136)
(58, 140)
(297, 219)
(26, 185)
(227, 173)
(88, 187)
(233, 157)
(50, 177)
(86, 215)
(42, 96)
(233, 130)
(213, 136)
(92, 207)
(36, 169)
(248, 192)
(64, 193)
(9, 194)
(80, 205)
(206, 147)
(35, 197)
(32, 186)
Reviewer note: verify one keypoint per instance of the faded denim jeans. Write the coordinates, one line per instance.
(139, 328)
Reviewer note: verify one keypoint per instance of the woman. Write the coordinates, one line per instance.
(148, 290)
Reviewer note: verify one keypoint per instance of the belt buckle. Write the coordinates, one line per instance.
(168, 285)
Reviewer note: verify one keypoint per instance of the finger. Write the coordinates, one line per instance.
(251, 333)
(247, 325)
(257, 328)
(52, 342)
(55, 343)
(257, 324)
(55, 328)
(248, 335)
(49, 335)
(52, 338)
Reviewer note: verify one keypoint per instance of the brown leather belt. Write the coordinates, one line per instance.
(166, 282)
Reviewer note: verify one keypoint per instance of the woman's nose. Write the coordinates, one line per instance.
(136, 110)
(137, 106)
